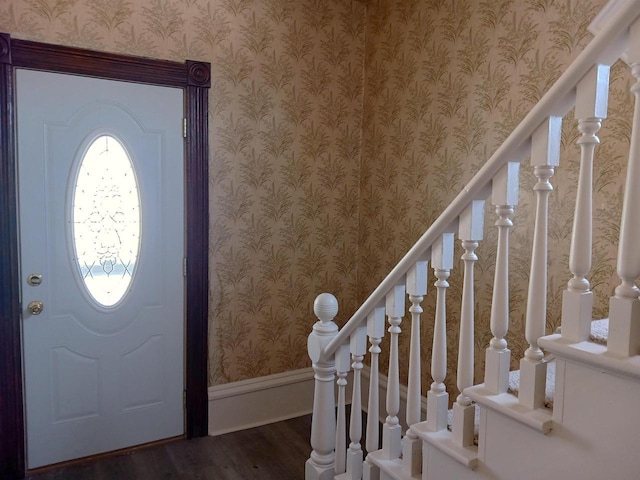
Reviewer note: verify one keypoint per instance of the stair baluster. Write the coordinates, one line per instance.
(577, 301)
(437, 397)
(354, 454)
(343, 366)
(375, 332)
(470, 230)
(545, 156)
(411, 444)
(624, 307)
(498, 356)
(321, 463)
(391, 431)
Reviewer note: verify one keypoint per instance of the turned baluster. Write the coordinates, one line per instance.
(320, 465)
(545, 155)
(375, 332)
(411, 444)
(437, 397)
(343, 365)
(470, 231)
(577, 301)
(624, 307)
(391, 431)
(354, 454)
(504, 196)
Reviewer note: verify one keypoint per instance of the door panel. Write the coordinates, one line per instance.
(99, 378)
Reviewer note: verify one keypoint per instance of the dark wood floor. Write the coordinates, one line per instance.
(277, 451)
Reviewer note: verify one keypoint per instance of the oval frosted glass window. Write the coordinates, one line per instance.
(106, 220)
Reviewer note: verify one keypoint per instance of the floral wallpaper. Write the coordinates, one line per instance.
(340, 129)
(285, 133)
(446, 81)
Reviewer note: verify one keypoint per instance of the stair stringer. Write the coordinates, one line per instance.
(594, 434)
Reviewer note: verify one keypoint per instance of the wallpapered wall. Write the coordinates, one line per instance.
(295, 93)
(285, 134)
(446, 82)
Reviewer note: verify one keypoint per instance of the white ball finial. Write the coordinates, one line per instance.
(325, 307)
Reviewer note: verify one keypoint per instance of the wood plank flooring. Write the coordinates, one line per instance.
(271, 452)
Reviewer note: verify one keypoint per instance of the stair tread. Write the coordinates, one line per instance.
(443, 440)
(392, 468)
(600, 331)
(514, 386)
(599, 334)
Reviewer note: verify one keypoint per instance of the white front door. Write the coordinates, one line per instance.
(101, 212)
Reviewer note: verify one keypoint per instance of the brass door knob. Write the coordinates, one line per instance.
(35, 307)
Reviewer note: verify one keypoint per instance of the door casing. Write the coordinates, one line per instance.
(195, 78)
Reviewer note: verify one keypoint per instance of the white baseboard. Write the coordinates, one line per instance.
(259, 401)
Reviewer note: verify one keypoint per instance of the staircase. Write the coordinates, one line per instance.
(568, 412)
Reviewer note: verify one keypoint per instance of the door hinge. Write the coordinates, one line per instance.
(184, 266)
(184, 399)
(184, 127)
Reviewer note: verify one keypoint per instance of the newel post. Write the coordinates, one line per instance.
(321, 463)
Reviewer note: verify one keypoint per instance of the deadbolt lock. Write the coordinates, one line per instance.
(34, 279)
(35, 307)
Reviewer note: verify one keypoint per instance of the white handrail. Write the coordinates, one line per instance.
(605, 48)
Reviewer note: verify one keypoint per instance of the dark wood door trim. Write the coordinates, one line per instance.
(195, 79)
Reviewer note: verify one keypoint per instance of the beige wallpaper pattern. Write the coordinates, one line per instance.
(298, 206)
(285, 133)
(446, 82)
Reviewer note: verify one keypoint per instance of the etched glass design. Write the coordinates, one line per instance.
(106, 220)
